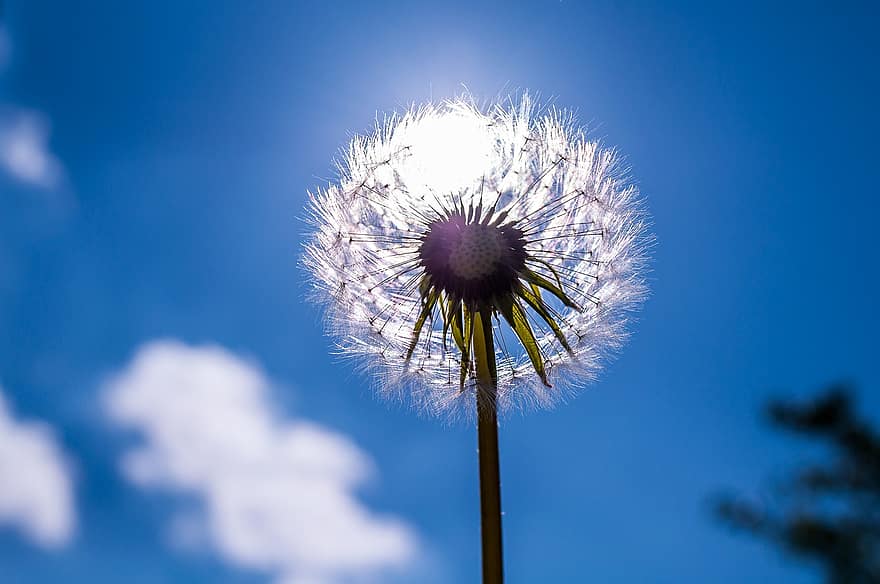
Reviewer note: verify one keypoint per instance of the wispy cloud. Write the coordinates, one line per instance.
(36, 491)
(276, 495)
(24, 138)
(24, 149)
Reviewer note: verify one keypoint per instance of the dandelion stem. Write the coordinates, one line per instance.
(487, 440)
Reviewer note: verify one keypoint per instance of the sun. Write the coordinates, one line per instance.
(446, 153)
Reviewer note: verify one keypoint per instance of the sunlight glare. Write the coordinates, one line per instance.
(448, 152)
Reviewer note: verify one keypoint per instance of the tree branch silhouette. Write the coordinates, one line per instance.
(830, 512)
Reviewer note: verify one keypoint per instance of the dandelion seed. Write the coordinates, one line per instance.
(476, 260)
(451, 221)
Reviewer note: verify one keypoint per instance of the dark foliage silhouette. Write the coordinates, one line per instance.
(830, 512)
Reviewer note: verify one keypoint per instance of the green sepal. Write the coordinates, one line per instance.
(446, 315)
(484, 348)
(467, 335)
(516, 317)
(455, 323)
(430, 295)
(533, 298)
(537, 279)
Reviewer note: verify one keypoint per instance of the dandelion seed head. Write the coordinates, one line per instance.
(449, 209)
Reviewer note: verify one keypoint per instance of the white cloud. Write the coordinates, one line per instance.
(36, 491)
(24, 149)
(24, 138)
(275, 495)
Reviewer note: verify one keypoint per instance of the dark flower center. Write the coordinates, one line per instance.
(472, 261)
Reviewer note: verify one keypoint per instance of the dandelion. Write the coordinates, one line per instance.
(476, 260)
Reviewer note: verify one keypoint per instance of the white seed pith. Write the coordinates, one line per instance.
(476, 252)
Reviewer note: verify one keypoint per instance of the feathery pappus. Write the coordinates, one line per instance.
(471, 250)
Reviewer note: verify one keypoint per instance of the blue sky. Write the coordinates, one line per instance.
(162, 154)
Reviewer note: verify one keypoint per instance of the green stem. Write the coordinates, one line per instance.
(487, 439)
